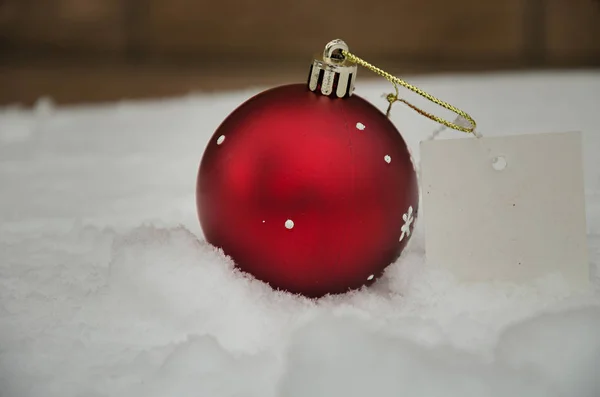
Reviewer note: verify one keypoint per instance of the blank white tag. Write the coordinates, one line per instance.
(506, 208)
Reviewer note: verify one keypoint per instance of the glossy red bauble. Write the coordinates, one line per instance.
(311, 194)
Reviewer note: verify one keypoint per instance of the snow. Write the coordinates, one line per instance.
(108, 289)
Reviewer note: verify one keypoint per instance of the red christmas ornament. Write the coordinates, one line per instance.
(308, 187)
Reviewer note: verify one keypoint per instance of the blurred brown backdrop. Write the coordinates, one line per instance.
(99, 50)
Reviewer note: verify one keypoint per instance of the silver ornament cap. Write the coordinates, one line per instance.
(332, 74)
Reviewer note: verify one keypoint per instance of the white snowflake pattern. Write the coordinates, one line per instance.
(408, 220)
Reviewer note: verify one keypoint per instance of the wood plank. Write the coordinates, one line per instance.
(272, 28)
(71, 82)
(573, 30)
(77, 25)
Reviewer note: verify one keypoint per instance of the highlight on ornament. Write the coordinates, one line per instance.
(323, 208)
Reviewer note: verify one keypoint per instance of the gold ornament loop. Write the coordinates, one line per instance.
(394, 97)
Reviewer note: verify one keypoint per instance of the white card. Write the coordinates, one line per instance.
(525, 220)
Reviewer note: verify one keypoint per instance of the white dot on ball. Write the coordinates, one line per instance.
(221, 139)
(360, 126)
(387, 159)
(263, 221)
(370, 277)
(289, 224)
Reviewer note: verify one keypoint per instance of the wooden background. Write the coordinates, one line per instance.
(101, 50)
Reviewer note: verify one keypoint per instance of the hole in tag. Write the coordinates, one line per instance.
(499, 163)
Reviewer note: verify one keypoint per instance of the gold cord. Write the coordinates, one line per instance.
(391, 98)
